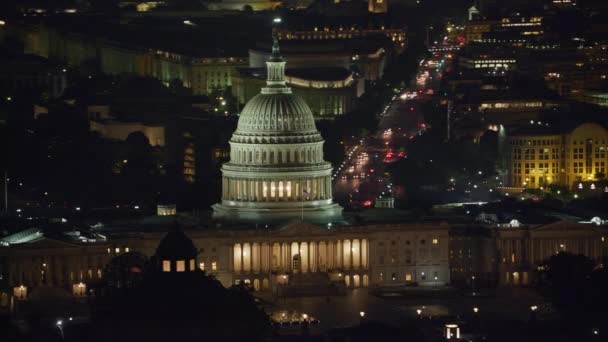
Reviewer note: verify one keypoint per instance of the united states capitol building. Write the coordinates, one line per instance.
(278, 229)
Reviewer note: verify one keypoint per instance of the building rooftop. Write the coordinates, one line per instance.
(59, 231)
(315, 74)
(208, 37)
(363, 46)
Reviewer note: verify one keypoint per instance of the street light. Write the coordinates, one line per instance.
(534, 308)
(362, 314)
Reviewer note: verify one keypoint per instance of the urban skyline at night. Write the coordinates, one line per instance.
(419, 170)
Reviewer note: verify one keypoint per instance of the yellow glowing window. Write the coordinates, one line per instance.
(435, 241)
(181, 266)
(201, 266)
(126, 249)
(166, 266)
(117, 250)
(192, 264)
(214, 266)
(408, 277)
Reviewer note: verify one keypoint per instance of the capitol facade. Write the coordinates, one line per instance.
(276, 169)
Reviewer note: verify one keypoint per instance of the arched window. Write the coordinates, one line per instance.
(166, 265)
(181, 266)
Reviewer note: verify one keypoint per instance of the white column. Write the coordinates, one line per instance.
(256, 257)
(347, 254)
(246, 257)
(304, 257)
(355, 253)
(364, 253)
(339, 254)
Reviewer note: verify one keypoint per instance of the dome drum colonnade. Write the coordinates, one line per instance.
(276, 168)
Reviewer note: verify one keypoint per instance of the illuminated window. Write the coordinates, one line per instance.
(126, 249)
(166, 266)
(201, 266)
(435, 241)
(214, 266)
(181, 266)
(408, 277)
(192, 264)
(117, 250)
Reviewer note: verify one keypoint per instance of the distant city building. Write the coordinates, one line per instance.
(248, 5)
(367, 55)
(117, 130)
(398, 36)
(329, 92)
(473, 13)
(201, 72)
(475, 29)
(564, 3)
(377, 6)
(387, 202)
(29, 73)
(540, 156)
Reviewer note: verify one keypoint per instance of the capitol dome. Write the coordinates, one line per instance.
(276, 169)
(281, 113)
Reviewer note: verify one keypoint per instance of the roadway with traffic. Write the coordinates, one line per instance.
(362, 177)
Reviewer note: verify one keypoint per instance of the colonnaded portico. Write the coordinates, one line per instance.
(353, 256)
(301, 256)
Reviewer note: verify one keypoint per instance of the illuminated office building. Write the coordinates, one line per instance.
(540, 156)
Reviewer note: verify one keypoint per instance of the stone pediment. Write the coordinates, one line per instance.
(561, 226)
(46, 243)
(300, 229)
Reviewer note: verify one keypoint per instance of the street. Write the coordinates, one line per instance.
(362, 177)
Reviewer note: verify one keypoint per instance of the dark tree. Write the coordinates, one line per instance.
(576, 285)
